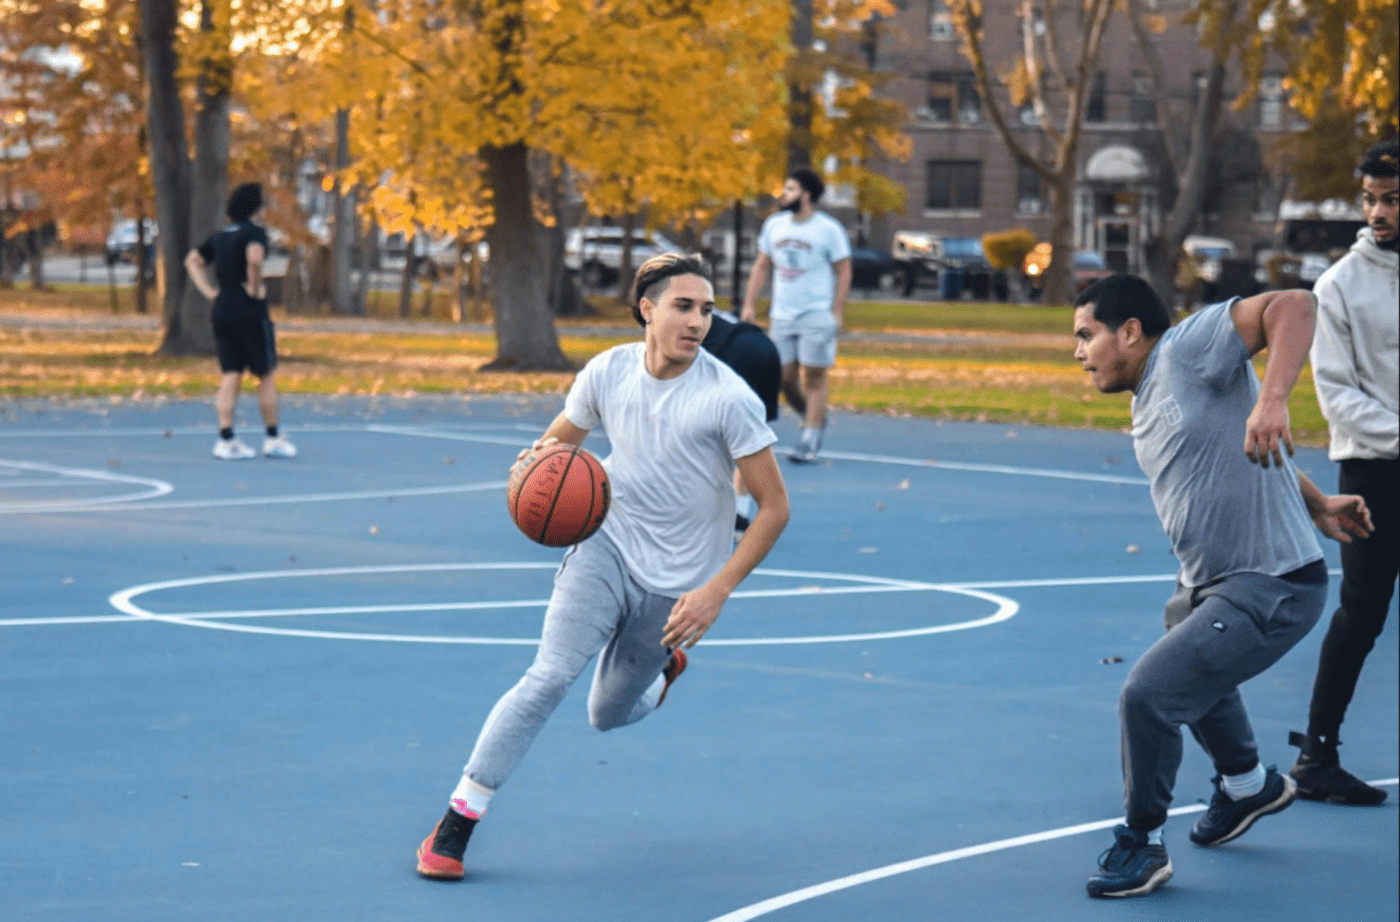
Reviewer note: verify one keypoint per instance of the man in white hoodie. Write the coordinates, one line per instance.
(1355, 367)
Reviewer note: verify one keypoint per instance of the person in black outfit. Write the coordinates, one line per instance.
(745, 348)
(243, 330)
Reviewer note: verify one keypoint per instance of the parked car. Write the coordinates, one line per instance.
(874, 270)
(1089, 267)
(925, 259)
(595, 253)
(121, 242)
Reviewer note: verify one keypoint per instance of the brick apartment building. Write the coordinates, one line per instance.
(962, 181)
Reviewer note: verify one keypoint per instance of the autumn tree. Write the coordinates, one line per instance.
(1187, 122)
(1052, 72)
(606, 88)
(1342, 60)
(87, 103)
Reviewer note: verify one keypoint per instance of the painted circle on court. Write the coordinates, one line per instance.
(848, 584)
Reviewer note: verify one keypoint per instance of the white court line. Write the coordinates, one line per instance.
(985, 468)
(447, 434)
(152, 487)
(77, 619)
(204, 431)
(756, 910)
(312, 497)
(124, 602)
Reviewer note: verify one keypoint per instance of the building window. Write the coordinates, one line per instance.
(953, 185)
(940, 21)
(1030, 192)
(953, 96)
(1097, 110)
(1143, 108)
(1271, 103)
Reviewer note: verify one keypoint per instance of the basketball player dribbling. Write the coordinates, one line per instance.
(652, 580)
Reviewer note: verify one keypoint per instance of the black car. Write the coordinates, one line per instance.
(874, 270)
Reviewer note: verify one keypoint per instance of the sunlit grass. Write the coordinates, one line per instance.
(1007, 363)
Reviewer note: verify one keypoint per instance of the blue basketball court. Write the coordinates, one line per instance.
(243, 690)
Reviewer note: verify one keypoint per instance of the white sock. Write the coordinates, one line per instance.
(811, 436)
(743, 505)
(470, 799)
(1155, 836)
(1241, 786)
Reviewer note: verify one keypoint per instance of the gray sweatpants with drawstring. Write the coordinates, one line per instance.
(1218, 636)
(597, 607)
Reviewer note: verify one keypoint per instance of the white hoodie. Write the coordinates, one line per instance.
(1355, 351)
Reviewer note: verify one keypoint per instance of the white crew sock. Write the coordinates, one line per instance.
(811, 436)
(1155, 836)
(470, 799)
(1241, 786)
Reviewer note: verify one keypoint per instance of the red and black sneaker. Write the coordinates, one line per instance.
(674, 667)
(440, 855)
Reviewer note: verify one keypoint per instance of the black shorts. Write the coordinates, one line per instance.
(748, 350)
(246, 342)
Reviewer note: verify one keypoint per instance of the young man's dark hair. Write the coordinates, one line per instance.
(1381, 160)
(245, 201)
(658, 270)
(809, 181)
(1119, 298)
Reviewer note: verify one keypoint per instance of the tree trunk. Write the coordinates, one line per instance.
(410, 265)
(34, 244)
(170, 162)
(1163, 250)
(625, 269)
(343, 228)
(1059, 275)
(525, 336)
(799, 144)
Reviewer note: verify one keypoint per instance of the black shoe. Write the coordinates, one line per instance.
(440, 855)
(1227, 819)
(1131, 867)
(804, 453)
(1320, 775)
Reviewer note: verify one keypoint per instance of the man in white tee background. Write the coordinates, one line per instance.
(809, 257)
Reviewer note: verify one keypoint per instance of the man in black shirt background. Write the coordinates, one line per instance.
(243, 331)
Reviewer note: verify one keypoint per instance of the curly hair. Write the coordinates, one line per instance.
(245, 201)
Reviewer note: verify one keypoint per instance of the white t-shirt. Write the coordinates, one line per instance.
(674, 444)
(802, 253)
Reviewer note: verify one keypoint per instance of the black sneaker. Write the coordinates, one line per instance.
(1131, 867)
(804, 453)
(1320, 776)
(1227, 819)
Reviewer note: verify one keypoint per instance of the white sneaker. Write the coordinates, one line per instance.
(279, 447)
(233, 450)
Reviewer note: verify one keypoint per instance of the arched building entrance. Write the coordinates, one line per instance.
(1115, 206)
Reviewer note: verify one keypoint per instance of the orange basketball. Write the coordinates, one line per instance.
(558, 495)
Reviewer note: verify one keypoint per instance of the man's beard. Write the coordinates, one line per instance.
(793, 206)
(1386, 243)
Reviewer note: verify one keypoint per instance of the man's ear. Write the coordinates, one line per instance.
(1131, 331)
(644, 307)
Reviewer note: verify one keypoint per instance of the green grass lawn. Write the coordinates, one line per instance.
(1013, 363)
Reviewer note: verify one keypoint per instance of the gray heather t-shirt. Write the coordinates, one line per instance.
(1223, 513)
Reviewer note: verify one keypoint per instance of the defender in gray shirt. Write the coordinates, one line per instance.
(1215, 443)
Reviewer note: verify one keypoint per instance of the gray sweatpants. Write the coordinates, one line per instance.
(596, 606)
(1218, 636)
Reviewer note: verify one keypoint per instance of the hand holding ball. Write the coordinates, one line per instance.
(558, 494)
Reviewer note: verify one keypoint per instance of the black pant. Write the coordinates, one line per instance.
(1370, 567)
